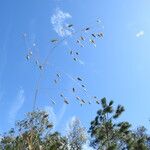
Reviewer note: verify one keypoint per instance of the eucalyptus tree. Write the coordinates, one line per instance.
(77, 135)
(34, 132)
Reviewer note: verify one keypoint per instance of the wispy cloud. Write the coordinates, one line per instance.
(53, 117)
(3, 57)
(70, 123)
(58, 21)
(81, 62)
(61, 114)
(20, 98)
(140, 34)
(51, 113)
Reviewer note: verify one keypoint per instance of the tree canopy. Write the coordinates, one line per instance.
(107, 132)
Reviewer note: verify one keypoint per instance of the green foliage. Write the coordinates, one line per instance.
(140, 140)
(55, 142)
(106, 133)
(33, 133)
(76, 135)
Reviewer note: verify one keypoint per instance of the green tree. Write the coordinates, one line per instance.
(7, 141)
(55, 142)
(76, 135)
(33, 133)
(140, 139)
(33, 128)
(106, 132)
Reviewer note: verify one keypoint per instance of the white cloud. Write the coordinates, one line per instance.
(70, 123)
(55, 118)
(51, 113)
(61, 114)
(140, 34)
(16, 106)
(72, 120)
(3, 56)
(58, 21)
(81, 62)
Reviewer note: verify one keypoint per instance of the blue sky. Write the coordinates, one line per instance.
(118, 68)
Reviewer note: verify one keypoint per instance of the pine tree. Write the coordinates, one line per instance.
(106, 133)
